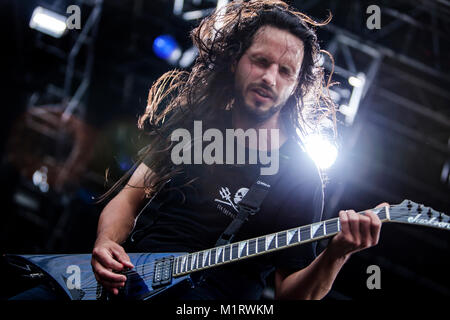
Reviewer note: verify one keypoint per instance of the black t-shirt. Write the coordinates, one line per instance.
(295, 199)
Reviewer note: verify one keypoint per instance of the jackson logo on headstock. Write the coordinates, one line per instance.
(428, 221)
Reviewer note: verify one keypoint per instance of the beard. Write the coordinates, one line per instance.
(257, 114)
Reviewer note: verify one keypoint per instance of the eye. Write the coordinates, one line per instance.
(286, 71)
(261, 61)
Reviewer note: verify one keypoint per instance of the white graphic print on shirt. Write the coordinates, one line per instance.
(229, 201)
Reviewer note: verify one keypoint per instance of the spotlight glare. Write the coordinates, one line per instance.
(48, 22)
(321, 151)
(357, 81)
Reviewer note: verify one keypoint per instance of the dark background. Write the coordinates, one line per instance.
(397, 147)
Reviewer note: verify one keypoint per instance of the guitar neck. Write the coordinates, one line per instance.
(237, 251)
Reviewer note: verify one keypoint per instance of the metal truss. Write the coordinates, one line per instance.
(69, 94)
(402, 22)
(68, 99)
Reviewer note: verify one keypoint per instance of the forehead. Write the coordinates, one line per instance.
(277, 43)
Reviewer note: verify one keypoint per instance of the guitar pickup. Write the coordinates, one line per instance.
(162, 272)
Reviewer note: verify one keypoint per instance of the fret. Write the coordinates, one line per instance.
(252, 247)
(189, 263)
(317, 230)
(382, 214)
(261, 244)
(206, 258)
(243, 246)
(194, 261)
(219, 255)
(198, 264)
(305, 233)
(213, 256)
(292, 236)
(227, 251)
(235, 251)
(281, 239)
(175, 265)
(331, 226)
(178, 264)
(184, 269)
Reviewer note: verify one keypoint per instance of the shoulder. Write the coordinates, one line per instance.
(302, 185)
(300, 167)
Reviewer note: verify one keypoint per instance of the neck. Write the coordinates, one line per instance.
(241, 120)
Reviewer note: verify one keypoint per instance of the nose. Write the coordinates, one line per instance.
(270, 75)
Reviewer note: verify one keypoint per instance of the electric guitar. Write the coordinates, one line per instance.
(157, 273)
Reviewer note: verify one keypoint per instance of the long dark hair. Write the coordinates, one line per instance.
(179, 97)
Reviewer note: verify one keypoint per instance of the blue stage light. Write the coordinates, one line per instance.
(167, 48)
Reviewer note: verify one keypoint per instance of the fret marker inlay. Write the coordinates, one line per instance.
(242, 248)
(291, 234)
(270, 241)
(314, 228)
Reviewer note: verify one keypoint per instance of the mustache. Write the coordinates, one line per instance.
(264, 87)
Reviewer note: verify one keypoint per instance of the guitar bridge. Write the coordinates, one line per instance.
(162, 272)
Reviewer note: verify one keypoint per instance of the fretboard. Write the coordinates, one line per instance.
(236, 251)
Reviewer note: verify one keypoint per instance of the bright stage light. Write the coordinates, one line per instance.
(40, 179)
(166, 47)
(48, 22)
(357, 81)
(322, 151)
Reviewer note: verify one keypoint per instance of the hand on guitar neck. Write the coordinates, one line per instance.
(358, 232)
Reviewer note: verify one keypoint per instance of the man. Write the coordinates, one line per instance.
(258, 83)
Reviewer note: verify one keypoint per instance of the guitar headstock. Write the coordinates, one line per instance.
(415, 213)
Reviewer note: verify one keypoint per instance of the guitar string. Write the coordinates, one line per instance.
(333, 220)
(151, 264)
(133, 274)
(133, 271)
(230, 246)
(137, 278)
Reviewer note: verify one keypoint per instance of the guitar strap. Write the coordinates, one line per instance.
(251, 202)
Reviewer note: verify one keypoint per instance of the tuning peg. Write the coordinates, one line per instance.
(429, 213)
(440, 217)
(409, 205)
(419, 208)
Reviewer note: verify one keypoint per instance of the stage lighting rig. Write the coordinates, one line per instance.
(48, 22)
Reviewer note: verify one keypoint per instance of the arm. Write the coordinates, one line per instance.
(310, 283)
(358, 232)
(115, 224)
(118, 217)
